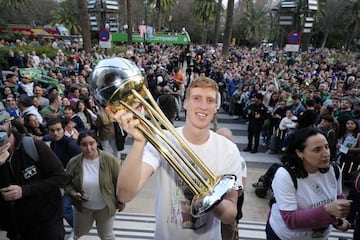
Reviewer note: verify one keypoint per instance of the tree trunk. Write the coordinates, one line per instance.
(129, 20)
(228, 27)
(158, 9)
(350, 36)
(204, 31)
(325, 39)
(217, 22)
(85, 25)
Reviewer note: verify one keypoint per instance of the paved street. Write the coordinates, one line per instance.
(137, 221)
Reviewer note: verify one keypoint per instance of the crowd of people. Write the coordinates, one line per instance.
(276, 92)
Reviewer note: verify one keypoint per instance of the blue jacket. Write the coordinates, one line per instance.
(65, 149)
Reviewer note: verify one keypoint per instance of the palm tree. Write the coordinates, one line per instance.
(228, 27)
(205, 9)
(161, 7)
(257, 21)
(65, 15)
(354, 25)
(15, 4)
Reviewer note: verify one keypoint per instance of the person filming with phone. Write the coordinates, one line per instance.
(92, 178)
(30, 180)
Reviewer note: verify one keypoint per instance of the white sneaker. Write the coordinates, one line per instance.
(283, 149)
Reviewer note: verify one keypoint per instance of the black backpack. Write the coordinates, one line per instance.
(28, 144)
(272, 199)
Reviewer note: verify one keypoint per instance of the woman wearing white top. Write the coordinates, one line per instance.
(307, 210)
(92, 178)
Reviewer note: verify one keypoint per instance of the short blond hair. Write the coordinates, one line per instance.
(201, 82)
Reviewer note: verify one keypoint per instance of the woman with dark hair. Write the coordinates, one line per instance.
(349, 149)
(274, 99)
(84, 114)
(92, 177)
(308, 193)
(70, 112)
(34, 127)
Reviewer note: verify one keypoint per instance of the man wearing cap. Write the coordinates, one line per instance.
(257, 113)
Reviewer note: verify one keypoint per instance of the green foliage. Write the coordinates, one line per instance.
(11, 36)
(4, 52)
(14, 4)
(205, 9)
(335, 40)
(67, 14)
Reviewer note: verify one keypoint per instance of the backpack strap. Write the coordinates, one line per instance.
(30, 148)
(328, 132)
(292, 175)
(336, 169)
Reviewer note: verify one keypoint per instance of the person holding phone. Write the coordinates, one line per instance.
(92, 178)
(30, 197)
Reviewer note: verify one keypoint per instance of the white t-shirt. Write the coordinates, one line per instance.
(172, 210)
(91, 186)
(313, 191)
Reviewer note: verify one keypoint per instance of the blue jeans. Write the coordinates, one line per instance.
(68, 210)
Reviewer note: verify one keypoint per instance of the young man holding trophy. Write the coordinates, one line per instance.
(199, 191)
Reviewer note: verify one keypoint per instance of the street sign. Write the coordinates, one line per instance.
(294, 37)
(292, 47)
(105, 44)
(104, 35)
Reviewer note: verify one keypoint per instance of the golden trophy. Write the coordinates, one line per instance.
(118, 83)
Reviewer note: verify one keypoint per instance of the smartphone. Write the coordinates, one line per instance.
(3, 138)
(85, 197)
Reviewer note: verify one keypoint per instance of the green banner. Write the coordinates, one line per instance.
(40, 75)
(156, 38)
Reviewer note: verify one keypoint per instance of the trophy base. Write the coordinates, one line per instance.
(201, 204)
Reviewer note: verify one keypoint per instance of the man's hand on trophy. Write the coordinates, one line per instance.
(129, 124)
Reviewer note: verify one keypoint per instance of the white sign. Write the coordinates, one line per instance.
(105, 44)
(292, 47)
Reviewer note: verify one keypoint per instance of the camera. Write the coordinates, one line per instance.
(3, 138)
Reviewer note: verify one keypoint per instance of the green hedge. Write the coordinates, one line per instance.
(4, 52)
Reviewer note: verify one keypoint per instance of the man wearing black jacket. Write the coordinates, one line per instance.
(30, 201)
(257, 113)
